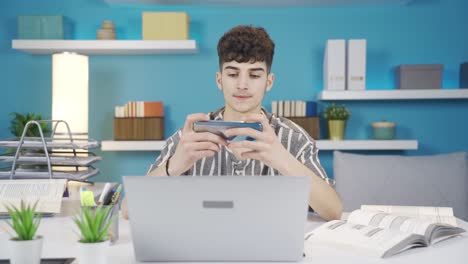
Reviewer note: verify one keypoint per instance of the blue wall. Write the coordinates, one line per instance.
(426, 31)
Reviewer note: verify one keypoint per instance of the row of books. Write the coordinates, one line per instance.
(140, 109)
(344, 66)
(294, 108)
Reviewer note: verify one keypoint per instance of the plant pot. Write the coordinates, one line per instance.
(383, 130)
(26, 251)
(336, 129)
(91, 253)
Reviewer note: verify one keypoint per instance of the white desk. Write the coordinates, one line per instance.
(60, 241)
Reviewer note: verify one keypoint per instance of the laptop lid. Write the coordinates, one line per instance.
(217, 218)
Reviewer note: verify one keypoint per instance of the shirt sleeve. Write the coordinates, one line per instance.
(308, 155)
(167, 151)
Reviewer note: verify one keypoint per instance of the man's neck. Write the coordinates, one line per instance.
(231, 115)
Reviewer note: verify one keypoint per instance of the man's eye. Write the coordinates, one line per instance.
(232, 74)
(254, 76)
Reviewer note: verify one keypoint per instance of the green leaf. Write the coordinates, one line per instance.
(24, 220)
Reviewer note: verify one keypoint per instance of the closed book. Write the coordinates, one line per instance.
(356, 65)
(311, 108)
(165, 26)
(334, 65)
(153, 109)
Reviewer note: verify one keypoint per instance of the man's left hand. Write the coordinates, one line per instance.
(267, 146)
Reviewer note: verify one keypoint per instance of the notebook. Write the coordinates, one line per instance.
(217, 218)
(47, 192)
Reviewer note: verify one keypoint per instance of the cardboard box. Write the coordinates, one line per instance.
(41, 27)
(309, 124)
(136, 128)
(428, 76)
(165, 26)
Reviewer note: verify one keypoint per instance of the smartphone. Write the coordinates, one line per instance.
(218, 127)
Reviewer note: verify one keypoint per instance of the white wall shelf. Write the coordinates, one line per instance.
(393, 94)
(156, 145)
(133, 145)
(106, 47)
(265, 2)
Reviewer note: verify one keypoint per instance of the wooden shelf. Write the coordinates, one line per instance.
(393, 94)
(150, 145)
(106, 47)
(265, 2)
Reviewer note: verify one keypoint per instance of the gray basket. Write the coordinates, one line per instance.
(424, 76)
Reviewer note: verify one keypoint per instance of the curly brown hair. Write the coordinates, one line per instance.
(246, 44)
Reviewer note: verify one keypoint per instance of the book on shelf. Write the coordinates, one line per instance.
(136, 109)
(384, 231)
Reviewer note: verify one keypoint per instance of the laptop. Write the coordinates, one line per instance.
(217, 218)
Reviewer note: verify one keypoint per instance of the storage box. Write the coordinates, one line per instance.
(165, 26)
(464, 75)
(41, 27)
(136, 128)
(309, 124)
(428, 76)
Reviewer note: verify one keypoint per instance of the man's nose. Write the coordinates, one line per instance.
(242, 82)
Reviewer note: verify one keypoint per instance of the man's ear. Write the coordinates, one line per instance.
(270, 81)
(218, 80)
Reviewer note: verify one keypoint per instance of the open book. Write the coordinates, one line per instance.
(386, 230)
(47, 193)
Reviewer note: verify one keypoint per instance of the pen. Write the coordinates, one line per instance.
(116, 195)
(104, 192)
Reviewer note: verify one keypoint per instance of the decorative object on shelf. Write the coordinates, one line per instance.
(94, 224)
(337, 115)
(423, 76)
(464, 75)
(41, 27)
(139, 121)
(107, 31)
(383, 130)
(25, 247)
(356, 64)
(70, 92)
(334, 63)
(165, 25)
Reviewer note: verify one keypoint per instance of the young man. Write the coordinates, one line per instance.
(282, 148)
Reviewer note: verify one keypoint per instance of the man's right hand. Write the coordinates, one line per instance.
(193, 146)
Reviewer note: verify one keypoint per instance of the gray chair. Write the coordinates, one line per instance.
(437, 180)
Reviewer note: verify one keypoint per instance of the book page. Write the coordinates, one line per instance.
(373, 241)
(387, 221)
(442, 215)
(47, 193)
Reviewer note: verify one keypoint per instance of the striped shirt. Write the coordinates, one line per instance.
(298, 142)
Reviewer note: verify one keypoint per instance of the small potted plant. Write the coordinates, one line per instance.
(26, 247)
(18, 122)
(337, 115)
(93, 223)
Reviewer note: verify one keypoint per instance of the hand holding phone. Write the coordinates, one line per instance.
(218, 127)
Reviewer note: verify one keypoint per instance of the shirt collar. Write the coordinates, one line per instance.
(218, 114)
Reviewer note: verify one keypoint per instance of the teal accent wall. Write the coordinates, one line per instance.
(424, 32)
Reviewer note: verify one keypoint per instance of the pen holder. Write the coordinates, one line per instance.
(113, 232)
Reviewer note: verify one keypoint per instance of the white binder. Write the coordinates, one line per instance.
(356, 65)
(334, 65)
